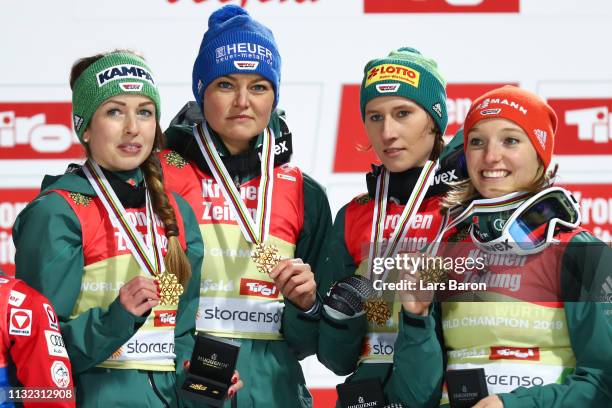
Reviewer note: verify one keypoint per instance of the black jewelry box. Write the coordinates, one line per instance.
(466, 387)
(212, 366)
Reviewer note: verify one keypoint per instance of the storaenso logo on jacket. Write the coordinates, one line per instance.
(124, 71)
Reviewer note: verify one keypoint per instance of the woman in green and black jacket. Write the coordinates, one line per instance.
(117, 255)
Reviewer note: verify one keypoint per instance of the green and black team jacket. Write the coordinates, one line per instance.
(69, 250)
(542, 330)
(237, 301)
(390, 353)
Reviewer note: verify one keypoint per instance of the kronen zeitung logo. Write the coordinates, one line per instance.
(393, 72)
(124, 71)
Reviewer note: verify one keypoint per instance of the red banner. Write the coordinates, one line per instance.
(40, 130)
(12, 201)
(352, 138)
(585, 126)
(595, 207)
(441, 6)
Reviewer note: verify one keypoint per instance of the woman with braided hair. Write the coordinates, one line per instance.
(117, 255)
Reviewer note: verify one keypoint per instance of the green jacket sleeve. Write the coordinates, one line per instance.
(334, 334)
(417, 346)
(49, 258)
(586, 267)
(301, 330)
(188, 305)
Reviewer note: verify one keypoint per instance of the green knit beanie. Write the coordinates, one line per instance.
(114, 74)
(405, 72)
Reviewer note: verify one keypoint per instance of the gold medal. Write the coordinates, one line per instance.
(170, 289)
(265, 257)
(434, 273)
(377, 311)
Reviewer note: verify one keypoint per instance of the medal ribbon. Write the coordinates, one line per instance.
(257, 231)
(403, 226)
(486, 205)
(149, 257)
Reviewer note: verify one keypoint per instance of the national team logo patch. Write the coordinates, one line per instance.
(131, 86)
(16, 298)
(246, 65)
(387, 88)
(60, 374)
(51, 316)
(21, 322)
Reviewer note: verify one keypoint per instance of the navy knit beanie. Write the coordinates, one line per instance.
(235, 44)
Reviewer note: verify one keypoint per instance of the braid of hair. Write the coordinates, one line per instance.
(176, 260)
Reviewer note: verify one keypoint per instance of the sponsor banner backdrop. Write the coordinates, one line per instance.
(478, 44)
(12, 201)
(441, 6)
(596, 208)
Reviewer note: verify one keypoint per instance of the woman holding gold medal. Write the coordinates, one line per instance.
(542, 328)
(117, 255)
(403, 106)
(253, 209)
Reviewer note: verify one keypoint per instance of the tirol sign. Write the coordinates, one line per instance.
(12, 201)
(441, 6)
(585, 126)
(37, 130)
(595, 208)
(352, 152)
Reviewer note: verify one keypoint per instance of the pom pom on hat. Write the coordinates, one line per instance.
(235, 43)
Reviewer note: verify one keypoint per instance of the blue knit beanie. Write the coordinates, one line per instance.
(235, 44)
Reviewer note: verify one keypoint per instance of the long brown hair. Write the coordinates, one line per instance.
(176, 261)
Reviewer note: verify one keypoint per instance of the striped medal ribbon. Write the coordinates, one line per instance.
(378, 311)
(486, 205)
(147, 252)
(255, 231)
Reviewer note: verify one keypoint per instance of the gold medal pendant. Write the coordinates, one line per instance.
(170, 289)
(377, 311)
(435, 273)
(265, 257)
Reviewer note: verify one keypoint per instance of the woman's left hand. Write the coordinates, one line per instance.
(492, 401)
(236, 385)
(296, 282)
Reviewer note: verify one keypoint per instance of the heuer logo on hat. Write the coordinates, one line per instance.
(387, 88)
(246, 65)
(123, 71)
(131, 86)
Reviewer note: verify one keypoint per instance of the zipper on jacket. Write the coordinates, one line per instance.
(156, 391)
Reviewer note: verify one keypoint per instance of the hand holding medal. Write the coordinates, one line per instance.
(378, 310)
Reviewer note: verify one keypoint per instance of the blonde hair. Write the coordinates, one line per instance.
(463, 192)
